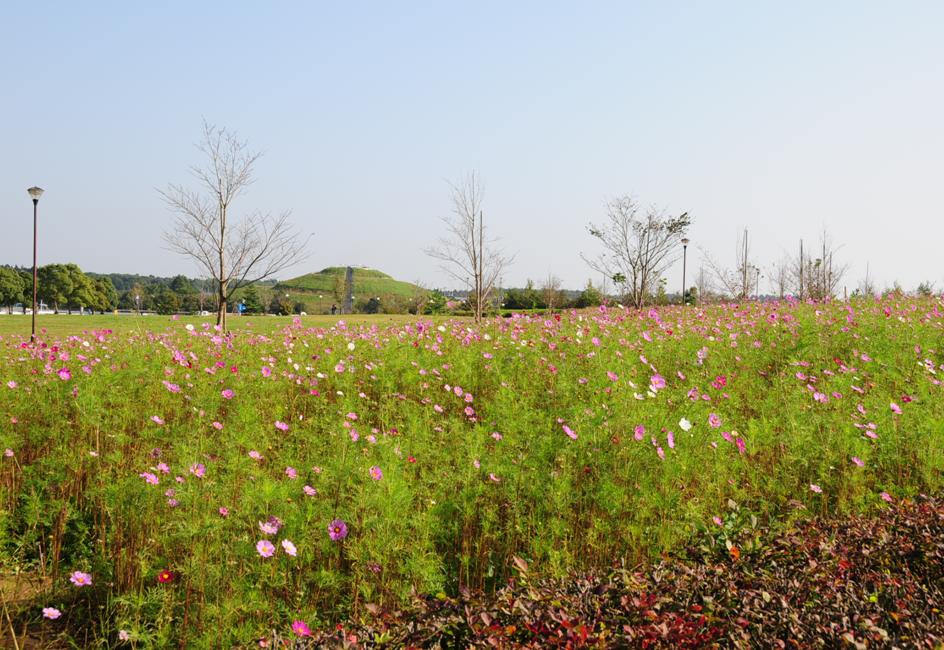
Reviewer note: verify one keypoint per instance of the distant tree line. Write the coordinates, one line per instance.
(62, 287)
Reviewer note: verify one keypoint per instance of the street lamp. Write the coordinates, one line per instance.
(35, 193)
(684, 261)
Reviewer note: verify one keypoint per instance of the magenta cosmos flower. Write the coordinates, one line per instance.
(376, 473)
(281, 426)
(337, 530)
(301, 628)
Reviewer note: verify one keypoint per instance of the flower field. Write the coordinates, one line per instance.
(178, 487)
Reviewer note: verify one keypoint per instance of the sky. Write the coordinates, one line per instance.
(782, 118)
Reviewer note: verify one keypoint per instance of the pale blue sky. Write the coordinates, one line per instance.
(780, 117)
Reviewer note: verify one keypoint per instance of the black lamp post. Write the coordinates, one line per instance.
(35, 193)
(684, 261)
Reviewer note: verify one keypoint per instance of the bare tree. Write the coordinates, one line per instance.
(741, 281)
(237, 253)
(466, 253)
(553, 296)
(780, 276)
(817, 273)
(703, 284)
(867, 286)
(637, 248)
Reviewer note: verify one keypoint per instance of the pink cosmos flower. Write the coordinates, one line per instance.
(858, 461)
(198, 470)
(337, 530)
(8, 453)
(671, 440)
(157, 419)
(886, 497)
(80, 579)
(266, 371)
(268, 527)
(815, 488)
(309, 491)
(289, 548)
(742, 448)
(661, 453)
(657, 382)
(265, 548)
(163, 468)
(281, 426)
(493, 478)
(124, 635)
(228, 394)
(224, 511)
(301, 628)
(717, 520)
(895, 408)
(255, 455)
(218, 426)
(149, 478)
(612, 375)
(51, 613)
(11, 384)
(639, 432)
(376, 473)
(291, 472)
(64, 374)
(714, 421)
(570, 432)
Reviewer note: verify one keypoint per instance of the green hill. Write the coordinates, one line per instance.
(367, 283)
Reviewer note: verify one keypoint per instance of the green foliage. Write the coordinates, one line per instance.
(589, 297)
(436, 303)
(525, 299)
(250, 300)
(165, 301)
(467, 424)
(12, 286)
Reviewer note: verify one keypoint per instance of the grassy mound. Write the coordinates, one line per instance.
(367, 282)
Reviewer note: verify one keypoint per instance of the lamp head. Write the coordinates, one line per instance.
(35, 192)
(684, 241)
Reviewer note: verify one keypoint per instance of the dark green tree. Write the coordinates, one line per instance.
(107, 295)
(55, 285)
(166, 301)
(251, 300)
(589, 297)
(12, 287)
(436, 304)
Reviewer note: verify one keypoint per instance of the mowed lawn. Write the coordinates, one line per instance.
(56, 325)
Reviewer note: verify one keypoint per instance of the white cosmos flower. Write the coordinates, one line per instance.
(685, 424)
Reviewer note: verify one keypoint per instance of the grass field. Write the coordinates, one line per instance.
(59, 325)
(181, 488)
